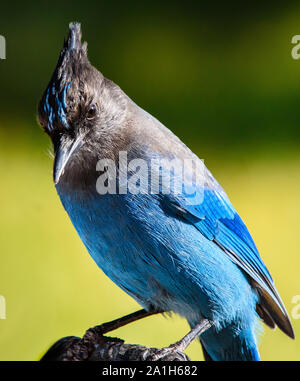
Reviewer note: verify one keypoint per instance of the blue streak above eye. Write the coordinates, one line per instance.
(58, 110)
(64, 94)
(49, 111)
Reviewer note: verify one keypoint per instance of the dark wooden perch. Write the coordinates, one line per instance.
(94, 346)
(102, 348)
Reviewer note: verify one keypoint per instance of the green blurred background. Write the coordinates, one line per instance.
(220, 76)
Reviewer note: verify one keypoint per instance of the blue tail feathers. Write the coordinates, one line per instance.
(227, 345)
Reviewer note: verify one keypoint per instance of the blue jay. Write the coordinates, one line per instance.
(185, 252)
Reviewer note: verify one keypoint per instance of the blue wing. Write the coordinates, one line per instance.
(217, 220)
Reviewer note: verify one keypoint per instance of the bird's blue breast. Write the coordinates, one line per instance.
(157, 258)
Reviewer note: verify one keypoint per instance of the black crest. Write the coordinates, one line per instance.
(53, 107)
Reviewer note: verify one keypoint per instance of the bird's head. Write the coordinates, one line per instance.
(78, 108)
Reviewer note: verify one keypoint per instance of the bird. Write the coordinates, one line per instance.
(183, 249)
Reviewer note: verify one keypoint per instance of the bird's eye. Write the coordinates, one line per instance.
(92, 111)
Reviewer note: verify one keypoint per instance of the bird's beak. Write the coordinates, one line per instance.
(63, 153)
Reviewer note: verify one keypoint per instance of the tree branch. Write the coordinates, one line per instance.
(94, 346)
(103, 348)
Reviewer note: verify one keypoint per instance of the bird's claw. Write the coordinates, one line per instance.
(164, 354)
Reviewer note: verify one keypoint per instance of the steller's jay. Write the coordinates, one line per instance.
(182, 249)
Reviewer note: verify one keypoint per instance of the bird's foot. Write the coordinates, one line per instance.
(181, 345)
(92, 336)
(167, 353)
